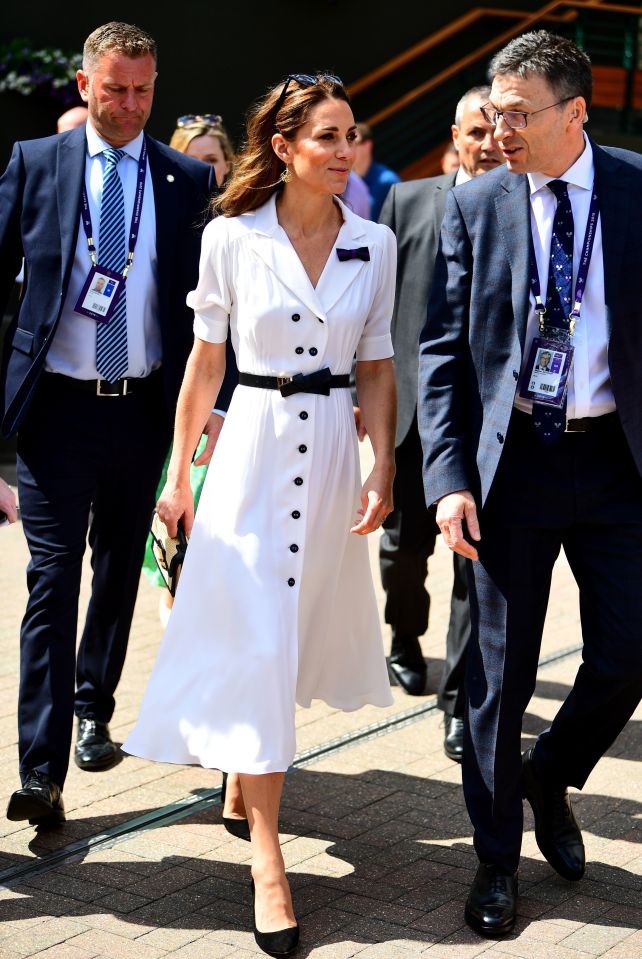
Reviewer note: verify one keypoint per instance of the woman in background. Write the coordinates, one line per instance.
(205, 138)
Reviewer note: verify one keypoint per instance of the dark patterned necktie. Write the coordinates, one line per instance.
(111, 338)
(548, 421)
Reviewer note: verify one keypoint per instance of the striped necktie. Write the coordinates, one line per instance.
(111, 338)
(548, 421)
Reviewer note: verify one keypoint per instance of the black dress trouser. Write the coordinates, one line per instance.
(408, 539)
(86, 464)
(582, 493)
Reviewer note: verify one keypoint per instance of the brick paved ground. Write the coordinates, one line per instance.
(376, 836)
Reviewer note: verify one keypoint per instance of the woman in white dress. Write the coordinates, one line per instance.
(276, 603)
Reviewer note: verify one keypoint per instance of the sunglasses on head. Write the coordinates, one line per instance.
(190, 119)
(304, 80)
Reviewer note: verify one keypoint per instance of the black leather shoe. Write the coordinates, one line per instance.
(556, 831)
(454, 737)
(492, 903)
(240, 828)
(39, 801)
(94, 746)
(281, 943)
(407, 665)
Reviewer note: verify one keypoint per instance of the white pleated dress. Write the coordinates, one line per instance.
(276, 603)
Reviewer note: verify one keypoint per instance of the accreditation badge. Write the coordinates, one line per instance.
(100, 294)
(546, 373)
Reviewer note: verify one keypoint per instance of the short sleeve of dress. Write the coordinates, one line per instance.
(376, 341)
(212, 298)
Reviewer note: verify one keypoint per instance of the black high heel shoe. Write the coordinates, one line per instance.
(280, 943)
(240, 828)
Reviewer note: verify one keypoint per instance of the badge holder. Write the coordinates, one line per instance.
(100, 294)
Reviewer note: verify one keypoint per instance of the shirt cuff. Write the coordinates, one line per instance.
(375, 348)
(212, 331)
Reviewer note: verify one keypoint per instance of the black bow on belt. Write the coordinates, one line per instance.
(360, 253)
(317, 382)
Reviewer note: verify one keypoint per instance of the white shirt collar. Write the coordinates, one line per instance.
(581, 174)
(462, 176)
(96, 145)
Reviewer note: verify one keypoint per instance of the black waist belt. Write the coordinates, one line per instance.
(124, 387)
(321, 381)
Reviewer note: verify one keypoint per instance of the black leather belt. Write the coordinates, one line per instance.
(588, 423)
(321, 381)
(124, 387)
(585, 424)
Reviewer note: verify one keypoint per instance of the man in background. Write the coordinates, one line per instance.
(70, 119)
(377, 176)
(414, 211)
(93, 402)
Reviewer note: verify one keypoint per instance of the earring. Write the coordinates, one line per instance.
(286, 176)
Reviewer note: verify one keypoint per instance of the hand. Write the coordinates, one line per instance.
(376, 500)
(8, 502)
(358, 422)
(176, 502)
(452, 509)
(213, 428)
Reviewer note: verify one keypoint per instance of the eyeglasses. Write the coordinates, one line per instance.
(189, 119)
(304, 80)
(515, 119)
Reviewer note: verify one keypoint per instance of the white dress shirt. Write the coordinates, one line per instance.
(462, 176)
(73, 350)
(589, 383)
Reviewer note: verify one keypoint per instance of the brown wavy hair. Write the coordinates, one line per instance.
(257, 169)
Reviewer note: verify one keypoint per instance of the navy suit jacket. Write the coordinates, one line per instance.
(40, 196)
(472, 343)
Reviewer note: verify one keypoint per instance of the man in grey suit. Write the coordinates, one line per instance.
(543, 255)
(414, 212)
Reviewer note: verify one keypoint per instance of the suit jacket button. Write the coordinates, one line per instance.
(515, 375)
(296, 514)
(303, 448)
(299, 350)
(296, 317)
(294, 548)
(291, 581)
(313, 351)
(500, 438)
(298, 481)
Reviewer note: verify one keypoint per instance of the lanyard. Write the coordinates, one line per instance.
(138, 206)
(582, 272)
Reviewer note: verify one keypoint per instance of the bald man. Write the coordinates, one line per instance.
(75, 117)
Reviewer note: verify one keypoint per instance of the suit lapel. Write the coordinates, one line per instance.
(513, 214)
(612, 186)
(437, 200)
(70, 176)
(166, 210)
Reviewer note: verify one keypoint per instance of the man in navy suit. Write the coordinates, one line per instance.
(92, 402)
(516, 476)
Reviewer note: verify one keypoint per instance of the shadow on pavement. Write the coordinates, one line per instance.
(376, 856)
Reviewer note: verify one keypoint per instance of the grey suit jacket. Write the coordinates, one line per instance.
(472, 343)
(414, 212)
